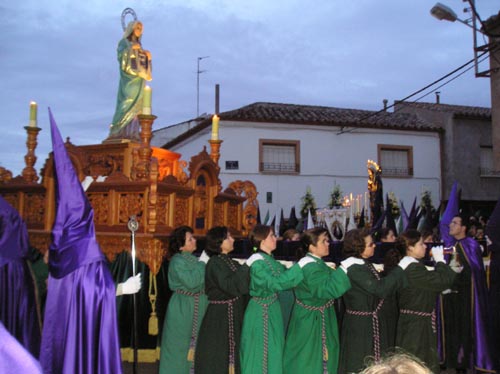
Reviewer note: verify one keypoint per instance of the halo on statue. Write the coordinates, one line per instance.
(126, 12)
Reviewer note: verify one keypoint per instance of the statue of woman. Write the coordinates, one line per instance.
(376, 191)
(135, 68)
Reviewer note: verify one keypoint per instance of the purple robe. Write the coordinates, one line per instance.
(482, 349)
(80, 333)
(493, 232)
(450, 212)
(18, 308)
(14, 358)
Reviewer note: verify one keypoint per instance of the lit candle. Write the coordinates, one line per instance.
(33, 112)
(146, 100)
(215, 127)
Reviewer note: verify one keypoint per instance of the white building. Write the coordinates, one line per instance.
(284, 148)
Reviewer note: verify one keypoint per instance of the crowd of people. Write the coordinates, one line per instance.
(429, 304)
(240, 317)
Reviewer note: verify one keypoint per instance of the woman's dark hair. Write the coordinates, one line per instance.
(426, 233)
(215, 237)
(289, 234)
(258, 234)
(407, 239)
(391, 260)
(384, 232)
(309, 237)
(354, 242)
(178, 239)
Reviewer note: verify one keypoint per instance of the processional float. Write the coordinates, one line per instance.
(133, 179)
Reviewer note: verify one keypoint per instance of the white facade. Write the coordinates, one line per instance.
(326, 159)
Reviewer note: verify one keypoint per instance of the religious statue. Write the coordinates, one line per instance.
(375, 189)
(135, 69)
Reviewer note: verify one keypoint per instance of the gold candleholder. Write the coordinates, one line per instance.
(215, 150)
(29, 173)
(144, 153)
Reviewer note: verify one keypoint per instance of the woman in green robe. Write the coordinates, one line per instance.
(416, 331)
(135, 69)
(312, 342)
(226, 286)
(186, 278)
(365, 327)
(263, 337)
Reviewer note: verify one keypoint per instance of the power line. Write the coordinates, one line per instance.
(484, 29)
(444, 84)
(351, 128)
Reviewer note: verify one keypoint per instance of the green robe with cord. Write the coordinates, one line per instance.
(267, 277)
(185, 274)
(303, 347)
(367, 291)
(225, 280)
(417, 334)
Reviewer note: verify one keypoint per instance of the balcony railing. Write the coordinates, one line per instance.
(397, 172)
(277, 167)
(488, 172)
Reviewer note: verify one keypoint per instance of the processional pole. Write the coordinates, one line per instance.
(133, 225)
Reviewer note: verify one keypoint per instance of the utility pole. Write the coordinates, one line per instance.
(490, 28)
(198, 72)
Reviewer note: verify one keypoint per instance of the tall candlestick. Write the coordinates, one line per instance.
(215, 127)
(146, 100)
(33, 113)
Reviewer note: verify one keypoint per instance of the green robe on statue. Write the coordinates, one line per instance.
(226, 285)
(186, 278)
(263, 337)
(314, 316)
(416, 332)
(130, 91)
(362, 303)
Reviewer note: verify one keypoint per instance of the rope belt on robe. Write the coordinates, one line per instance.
(321, 309)
(194, 329)
(374, 315)
(230, 317)
(265, 302)
(422, 314)
(375, 326)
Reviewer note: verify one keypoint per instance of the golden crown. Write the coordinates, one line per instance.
(370, 164)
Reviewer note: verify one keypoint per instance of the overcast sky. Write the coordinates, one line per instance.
(347, 54)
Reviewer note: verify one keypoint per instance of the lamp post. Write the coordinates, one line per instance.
(490, 28)
(442, 12)
(198, 72)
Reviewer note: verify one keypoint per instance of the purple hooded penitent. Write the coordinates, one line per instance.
(450, 212)
(14, 358)
(18, 309)
(80, 332)
(481, 348)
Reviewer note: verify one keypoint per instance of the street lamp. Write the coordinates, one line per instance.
(489, 28)
(443, 12)
(198, 72)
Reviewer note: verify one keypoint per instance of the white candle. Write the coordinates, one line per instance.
(33, 114)
(146, 100)
(215, 127)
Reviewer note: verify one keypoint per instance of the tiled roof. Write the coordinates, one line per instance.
(457, 110)
(315, 115)
(327, 116)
